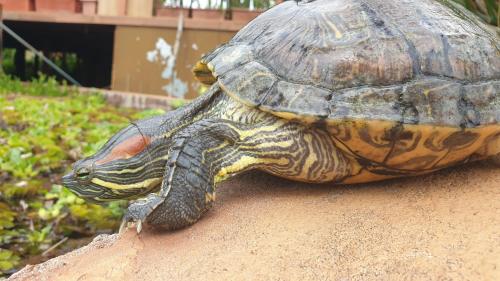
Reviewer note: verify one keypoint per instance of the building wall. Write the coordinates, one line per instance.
(142, 59)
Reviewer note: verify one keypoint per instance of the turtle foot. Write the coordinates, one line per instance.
(138, 212)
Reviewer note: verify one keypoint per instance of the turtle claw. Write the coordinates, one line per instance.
(139, 227)
(123, 226)
(139, 210)
(126, 222)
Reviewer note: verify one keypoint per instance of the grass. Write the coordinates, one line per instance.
(44, 127)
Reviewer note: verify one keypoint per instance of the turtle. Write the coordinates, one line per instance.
(325, 91)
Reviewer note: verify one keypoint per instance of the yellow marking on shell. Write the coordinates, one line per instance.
(429, 105)
(490, 148)
(366, 176)
(307, 119)
(144, 184)
(338, 34)
(212, 68)
(298, 93)
(426, 93)
(418, 145)
(250, 105)
(251, 78)
(316, 72)
(235, 96)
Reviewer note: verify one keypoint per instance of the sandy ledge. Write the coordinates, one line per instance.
(444, 226)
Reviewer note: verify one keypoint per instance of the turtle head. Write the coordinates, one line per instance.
(130, 164)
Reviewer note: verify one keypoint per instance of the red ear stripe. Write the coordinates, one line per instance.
(126, 149)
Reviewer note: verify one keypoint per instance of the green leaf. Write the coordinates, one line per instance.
(8, 260)
(44, 136)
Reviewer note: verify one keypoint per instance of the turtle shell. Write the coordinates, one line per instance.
(377, 72)
(421, 61)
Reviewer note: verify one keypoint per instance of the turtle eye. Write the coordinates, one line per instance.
(82, 173)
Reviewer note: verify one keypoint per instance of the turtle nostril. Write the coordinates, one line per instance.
(66, 179)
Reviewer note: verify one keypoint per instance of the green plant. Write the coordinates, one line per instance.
(44, 127)
(8, 60)
(488, 10)
(8, 260)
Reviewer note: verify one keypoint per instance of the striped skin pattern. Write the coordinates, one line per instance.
(285, 149)
(266, 142)
(120, 169)
(220, 138)
(344, 92)
(179, 166)
(112, 176)
(275, 145)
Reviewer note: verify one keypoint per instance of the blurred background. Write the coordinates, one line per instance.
(72, 73)
(125, 45)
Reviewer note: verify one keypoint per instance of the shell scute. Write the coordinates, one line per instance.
(229, 58)
(250, 85)
(417, 62)
(290, 97)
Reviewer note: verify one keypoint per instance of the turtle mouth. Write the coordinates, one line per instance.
(95, 193)
(86, 191)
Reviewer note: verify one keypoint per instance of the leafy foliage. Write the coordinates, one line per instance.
(488, 10)
(44, 127)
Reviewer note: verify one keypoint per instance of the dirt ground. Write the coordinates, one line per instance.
(444, 226)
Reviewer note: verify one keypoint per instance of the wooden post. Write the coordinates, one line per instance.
(20, 61)
(36, 66)
(32, 5)
(228, 13)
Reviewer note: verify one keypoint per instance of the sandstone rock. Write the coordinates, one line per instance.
(443, 226)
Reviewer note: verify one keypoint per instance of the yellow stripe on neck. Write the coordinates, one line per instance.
(144, 184)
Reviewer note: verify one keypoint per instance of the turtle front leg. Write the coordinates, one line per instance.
(187, 189)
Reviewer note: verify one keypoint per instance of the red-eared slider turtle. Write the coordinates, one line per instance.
(342, 91)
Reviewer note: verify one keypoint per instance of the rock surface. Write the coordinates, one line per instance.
(444, 226)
